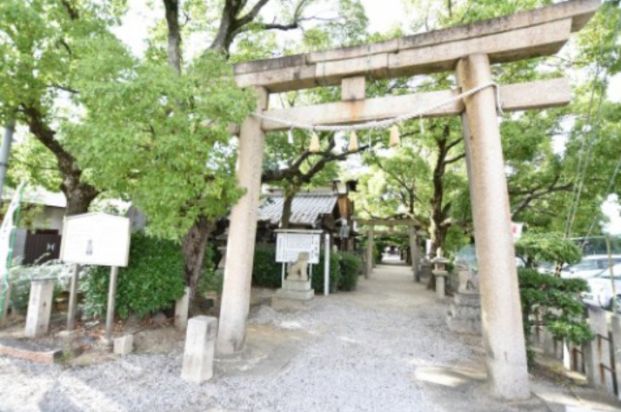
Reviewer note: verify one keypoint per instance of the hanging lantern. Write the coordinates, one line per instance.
(395, 140)
(290, 136)
(314, 143)
(353, 141)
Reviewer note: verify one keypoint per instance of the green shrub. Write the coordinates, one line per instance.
(556, 303)
(335, 274)
(266, 272)
(351, 267)
(534, 248)
(152, 281)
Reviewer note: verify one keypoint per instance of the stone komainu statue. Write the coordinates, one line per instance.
(298, 270)
(468, 281)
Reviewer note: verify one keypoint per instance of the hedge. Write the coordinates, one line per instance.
(351, 267)
(152, 281)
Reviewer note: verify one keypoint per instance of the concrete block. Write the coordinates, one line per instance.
(39, 307)
(124, 345)
(182, 308)
(199, 350)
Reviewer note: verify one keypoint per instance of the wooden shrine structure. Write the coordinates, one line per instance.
(469, 51)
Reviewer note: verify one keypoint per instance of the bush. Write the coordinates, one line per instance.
(152, 281)
(557, 304)
(266, 272)
(351, 267)
(335, 273)
(535, 248)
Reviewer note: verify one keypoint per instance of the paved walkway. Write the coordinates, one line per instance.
(384, 347)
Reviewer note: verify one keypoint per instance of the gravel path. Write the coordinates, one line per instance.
(383, 348)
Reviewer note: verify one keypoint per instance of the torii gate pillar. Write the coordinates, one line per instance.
(503, 334)
(241, 241)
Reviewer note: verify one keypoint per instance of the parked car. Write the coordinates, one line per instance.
(601, 292)
(589, 266)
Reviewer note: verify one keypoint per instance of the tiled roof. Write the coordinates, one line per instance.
(306, 209)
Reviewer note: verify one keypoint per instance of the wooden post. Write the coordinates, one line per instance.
(114, 273)
(367, 273)
(73, 292)
(242, 233)
(503, 334)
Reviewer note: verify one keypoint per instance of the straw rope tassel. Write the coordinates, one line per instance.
(314, 143)
(395, 139)
(353, 141)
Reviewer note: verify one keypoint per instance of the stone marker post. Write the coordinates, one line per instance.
(182, 307)
(199, 350)
(39, 307)
(501, 312)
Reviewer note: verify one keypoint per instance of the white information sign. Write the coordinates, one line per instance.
(96, 239)
(290, 243)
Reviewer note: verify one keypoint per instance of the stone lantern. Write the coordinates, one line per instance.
(440, 272)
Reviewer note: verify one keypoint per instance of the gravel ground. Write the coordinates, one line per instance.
(382, 348)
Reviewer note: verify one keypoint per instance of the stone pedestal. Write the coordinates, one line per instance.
(200, 343)
(296, 289)
(465, 313)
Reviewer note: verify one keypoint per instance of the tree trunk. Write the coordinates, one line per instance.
(79, 198)
(79, 194)
(286, 211)
(193, 246)
(174, 35)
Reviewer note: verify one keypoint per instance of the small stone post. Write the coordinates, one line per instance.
(440, 273)
(199, 351)
(39, 307)
(616, 347)
(182, 307)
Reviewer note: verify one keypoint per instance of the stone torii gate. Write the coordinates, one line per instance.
(390, 223)
(469, 50)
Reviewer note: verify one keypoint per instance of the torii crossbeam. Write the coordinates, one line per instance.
(469, 50)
